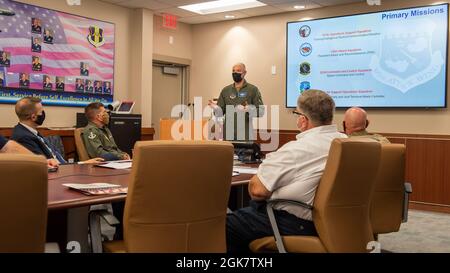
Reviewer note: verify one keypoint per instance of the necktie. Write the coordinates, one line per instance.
(56, 155)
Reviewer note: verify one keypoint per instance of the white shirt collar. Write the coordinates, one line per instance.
(316, 130)
(31, 129)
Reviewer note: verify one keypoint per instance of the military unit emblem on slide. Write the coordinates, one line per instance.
(304, 31)
(305, 49)
(305, 68)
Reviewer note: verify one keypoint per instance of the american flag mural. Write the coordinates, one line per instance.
(53, 51)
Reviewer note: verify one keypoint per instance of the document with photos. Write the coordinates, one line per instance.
(98, 188)
(118, 165)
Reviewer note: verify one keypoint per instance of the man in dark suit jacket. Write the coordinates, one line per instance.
(31, 114)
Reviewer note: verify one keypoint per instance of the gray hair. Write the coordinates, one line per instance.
(318, 106)
(241, 65)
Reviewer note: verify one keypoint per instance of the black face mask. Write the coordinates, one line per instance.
(40, 119)
(237, 77)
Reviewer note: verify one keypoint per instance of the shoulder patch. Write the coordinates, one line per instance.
(92, 135)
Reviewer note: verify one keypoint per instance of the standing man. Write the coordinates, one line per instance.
(293, 173)
(239, 103)
(355, 124)
(97, 137)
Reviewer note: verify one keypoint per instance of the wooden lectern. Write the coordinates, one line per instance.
(175, 129)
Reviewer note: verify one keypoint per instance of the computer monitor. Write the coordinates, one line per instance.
(247, 151)
(125, 107)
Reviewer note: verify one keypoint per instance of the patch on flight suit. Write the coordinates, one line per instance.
(92, 135)
(243, 94)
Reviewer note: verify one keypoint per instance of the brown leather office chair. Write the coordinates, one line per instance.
(388, 208)
(341, 205)
(79, 143)
(177, 197)
(23, 200)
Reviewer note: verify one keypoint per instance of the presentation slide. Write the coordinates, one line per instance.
(395, 58)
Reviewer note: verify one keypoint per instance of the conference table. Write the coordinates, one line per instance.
(68, 209)
(61, 197)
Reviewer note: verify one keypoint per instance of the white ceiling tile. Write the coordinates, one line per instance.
(236, 14)
(335, 2)
(199, 19)
(261, 11)
(290, 7)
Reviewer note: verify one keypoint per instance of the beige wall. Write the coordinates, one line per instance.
(260, 43)
(181, 47)
(65, 116)
(141, 64)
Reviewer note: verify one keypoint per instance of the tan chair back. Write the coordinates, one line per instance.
(387, 202)
(23, 200)
(342, 201)
(177, 196)
(79, 143)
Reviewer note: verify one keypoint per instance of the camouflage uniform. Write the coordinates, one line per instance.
(99, 142)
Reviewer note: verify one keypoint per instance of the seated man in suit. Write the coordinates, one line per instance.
(355, 124)
(12, 147)
(293, 172)
(31, 114)
(97, 137)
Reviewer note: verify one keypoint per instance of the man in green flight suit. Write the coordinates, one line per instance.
(97, 137)
(239, 102)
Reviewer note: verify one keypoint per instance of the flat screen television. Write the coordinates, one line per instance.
(387, 59)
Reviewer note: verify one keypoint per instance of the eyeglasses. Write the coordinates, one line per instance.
(299, 114)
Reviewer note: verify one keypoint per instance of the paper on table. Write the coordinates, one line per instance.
(118, 165)
(98, 188)
(245, 170)
(235, 173)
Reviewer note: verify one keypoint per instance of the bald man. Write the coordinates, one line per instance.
(355, 124)
(246, 102)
